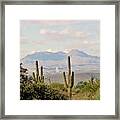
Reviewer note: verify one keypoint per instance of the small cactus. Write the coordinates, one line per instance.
(69, 81)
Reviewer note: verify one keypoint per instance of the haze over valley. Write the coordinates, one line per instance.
(54, 63)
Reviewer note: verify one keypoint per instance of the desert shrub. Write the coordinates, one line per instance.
(23, 73)
(88, 89)
(39, 91)
(58, 86)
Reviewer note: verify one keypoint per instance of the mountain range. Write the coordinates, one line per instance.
(57, 61)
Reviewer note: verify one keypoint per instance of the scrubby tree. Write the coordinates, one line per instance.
(23, 73)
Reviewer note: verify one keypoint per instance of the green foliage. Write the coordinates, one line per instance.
(35, 88)
(23, 73)
(58, 86)
(88, 90)
(84, 90)
(39, 91)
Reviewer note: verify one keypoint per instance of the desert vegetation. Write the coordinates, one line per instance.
(36, 87)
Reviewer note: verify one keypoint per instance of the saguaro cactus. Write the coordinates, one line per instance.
(37, 77)
(69, 80)
(42, 77)
(37, 71)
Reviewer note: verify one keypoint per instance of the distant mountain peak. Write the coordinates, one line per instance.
(76, 52)
(60, 52)
(57, 56)
(58, 59)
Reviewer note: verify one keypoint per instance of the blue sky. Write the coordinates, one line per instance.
(59, 35)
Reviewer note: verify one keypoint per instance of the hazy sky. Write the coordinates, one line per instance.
(60, 35)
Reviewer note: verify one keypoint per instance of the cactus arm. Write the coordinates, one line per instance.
(42, 79)
(72, 80)
(39, 79)
(33, 76)
(65, 81)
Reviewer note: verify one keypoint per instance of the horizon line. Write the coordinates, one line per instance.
(66, 52)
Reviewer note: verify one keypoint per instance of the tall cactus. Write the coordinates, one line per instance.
(37, 71)
(69, 80)
(37, 77)
(42, 77)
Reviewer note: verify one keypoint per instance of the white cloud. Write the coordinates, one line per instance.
(51, 50)
(43, 31)
(65, 32)
(73, 33)
(32, 52)
(85, 42)
(80, 34)
(66, 50)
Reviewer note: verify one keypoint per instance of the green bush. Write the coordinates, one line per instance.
(58, 86)
(84, 90)
(88, 90)
(39, 91)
